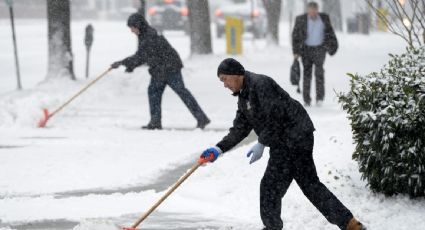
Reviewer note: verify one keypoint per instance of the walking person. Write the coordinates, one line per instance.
(165, 69)
(282, 124)
(312, 37)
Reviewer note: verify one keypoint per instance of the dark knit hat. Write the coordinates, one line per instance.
(230, 66)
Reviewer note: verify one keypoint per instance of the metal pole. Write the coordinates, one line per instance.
(87, 63)
(88, 41)
(18, 75)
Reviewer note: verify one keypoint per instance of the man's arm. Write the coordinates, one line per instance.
(297, 40)
(138, 59)
(331, 44)
(241, 129)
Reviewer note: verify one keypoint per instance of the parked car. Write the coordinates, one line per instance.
(250, 11)
(168, 15)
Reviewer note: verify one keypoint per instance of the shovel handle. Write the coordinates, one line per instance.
(80, 92)
(200, 162)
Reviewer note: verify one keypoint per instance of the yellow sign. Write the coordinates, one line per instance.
(234, 30)
(381, 25)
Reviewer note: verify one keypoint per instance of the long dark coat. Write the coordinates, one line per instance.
(299, 35)
(264, 106)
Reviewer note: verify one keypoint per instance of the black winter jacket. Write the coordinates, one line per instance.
(299, 35)
(153, 50)
(264, 106)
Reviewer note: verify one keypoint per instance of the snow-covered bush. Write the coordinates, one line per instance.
(387, 114)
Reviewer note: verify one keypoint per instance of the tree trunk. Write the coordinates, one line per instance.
(305, 5)
(273, 17)
(142, 9)
(199, 26)
(333, 8)
(59, 32)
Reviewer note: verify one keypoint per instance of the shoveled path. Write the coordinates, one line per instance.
(157, 221)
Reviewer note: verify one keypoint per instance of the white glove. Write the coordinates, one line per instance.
(256, 152)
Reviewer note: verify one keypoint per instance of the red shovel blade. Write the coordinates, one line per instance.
(43, 121)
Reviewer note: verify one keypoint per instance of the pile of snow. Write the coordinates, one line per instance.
(97, 225)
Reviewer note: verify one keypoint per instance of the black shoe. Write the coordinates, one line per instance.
(152, 126)
(202, 124)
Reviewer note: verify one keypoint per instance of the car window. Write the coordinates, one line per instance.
(257, 3)
(239, 1)
(168, 2)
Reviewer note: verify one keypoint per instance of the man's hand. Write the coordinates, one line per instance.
(296, 56)
(116, 64)
(256, 152)
(213, 152)
(129, 69)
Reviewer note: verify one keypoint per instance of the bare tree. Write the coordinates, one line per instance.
(333, 8)
(406, 18)
(59, 32)
(200, 29)
(273, 8)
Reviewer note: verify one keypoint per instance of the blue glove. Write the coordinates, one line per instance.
(215, 152)
(256, 152)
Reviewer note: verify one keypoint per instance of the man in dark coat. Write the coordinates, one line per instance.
(164, 67)
(312, 37)
(282, 124)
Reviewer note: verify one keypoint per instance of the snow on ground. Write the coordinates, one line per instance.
(95, 144)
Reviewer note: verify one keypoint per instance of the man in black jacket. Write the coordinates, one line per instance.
(282, 124)
(312, 37)
(164, 67)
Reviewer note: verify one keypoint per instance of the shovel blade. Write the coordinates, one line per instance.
(43, 121)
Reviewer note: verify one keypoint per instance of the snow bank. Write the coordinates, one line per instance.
(97, 225)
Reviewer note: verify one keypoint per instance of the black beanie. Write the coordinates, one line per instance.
(230, 66)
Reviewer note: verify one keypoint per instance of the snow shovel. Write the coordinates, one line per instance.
(200, 162)
(46, 115)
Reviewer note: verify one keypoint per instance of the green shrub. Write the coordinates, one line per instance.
(387, 114)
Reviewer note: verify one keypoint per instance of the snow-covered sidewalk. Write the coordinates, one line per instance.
(68, 170)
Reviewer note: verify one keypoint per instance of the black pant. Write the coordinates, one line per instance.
(296, 162)
(175, 81)
(314, 56)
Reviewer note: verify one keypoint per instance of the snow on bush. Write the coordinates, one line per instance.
(387, 114)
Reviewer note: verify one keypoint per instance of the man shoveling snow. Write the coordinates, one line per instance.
(282, 124)
(165, 68)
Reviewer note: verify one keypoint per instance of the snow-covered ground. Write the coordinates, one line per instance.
(93, 161)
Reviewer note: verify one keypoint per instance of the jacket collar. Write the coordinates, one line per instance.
(320, 14)
(245, 87)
